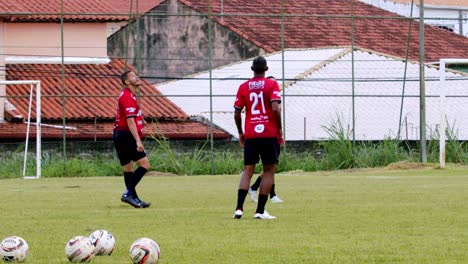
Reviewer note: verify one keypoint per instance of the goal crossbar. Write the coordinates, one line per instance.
(37, 84)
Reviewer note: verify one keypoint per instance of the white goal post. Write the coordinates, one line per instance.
(443, 92)
(33, 84)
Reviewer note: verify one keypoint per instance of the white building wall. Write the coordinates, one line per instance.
(433, 14)
(44, 39)
(321, 96)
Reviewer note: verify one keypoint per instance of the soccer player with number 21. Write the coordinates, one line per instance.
(261, 98)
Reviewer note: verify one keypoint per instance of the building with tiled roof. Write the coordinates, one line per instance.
(175, 46)
(318, 95)
(30, 49)
(447, 14)
(91, 96)
(74, 10)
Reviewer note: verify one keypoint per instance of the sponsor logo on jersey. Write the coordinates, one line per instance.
(256, 85)
(130, 109)
(259, 128)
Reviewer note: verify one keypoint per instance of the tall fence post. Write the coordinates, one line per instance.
(422, 85)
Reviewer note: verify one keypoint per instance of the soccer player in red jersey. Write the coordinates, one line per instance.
(127, 139)
(254, 187)
(261, 98)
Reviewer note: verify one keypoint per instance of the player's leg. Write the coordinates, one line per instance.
(269, 155)
(265, 187)
(128, 174)
(273, 197)
(143, 167)
(122, 148)
(243, 189)
(253, 189)
(256, 184)
(250, 159)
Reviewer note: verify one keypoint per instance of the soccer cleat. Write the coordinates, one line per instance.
(130, 200)
(264, 216)
(253, 195)
(275, 199)
(142, 204)
(237, 214)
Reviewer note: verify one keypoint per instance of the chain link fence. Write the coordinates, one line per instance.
(343, 66)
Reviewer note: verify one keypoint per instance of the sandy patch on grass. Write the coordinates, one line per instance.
(159, 173)
(406, 165)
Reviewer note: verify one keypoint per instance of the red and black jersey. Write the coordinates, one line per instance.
(127, 108)
(256, 95)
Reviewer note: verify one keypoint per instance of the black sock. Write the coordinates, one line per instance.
(241, 194)
(137, 175)
(128, 183)
(256, 184)
(262, 200)
(272, 191)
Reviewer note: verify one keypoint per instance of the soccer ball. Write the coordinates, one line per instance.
(103, 242)
(144, 251)
(79, 249)
(14, 249)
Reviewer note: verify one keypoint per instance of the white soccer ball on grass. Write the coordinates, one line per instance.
(145, 251)
(79, 249)
(14, 249)
(103, 242)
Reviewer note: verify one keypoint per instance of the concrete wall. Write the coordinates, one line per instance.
(176, 46)
(44, 39)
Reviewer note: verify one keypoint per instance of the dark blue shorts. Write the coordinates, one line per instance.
(267, 149)
(126, 147)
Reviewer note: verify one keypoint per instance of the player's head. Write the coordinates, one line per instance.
(129, 78)
(259, 65)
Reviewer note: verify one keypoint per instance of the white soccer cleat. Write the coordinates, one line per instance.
(237, 214)
(275, 199)
(264, 216)
(253, 195)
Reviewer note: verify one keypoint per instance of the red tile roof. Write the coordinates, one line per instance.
(325, 23)
(78, 10)
(91, 92)
(103, 130)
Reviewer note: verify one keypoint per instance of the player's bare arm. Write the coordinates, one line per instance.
(238, 119)
(276, 109)
(133, 129)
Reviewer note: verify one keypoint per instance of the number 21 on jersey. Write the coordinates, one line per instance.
(256, 99)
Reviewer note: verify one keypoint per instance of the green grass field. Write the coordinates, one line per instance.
(361, 216)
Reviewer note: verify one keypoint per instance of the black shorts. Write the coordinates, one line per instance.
(126, 147)
(267, 149)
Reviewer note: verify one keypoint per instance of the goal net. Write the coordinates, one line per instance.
(34, 89)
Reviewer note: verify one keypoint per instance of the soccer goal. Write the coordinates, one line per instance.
(35, 88)
(443, 92)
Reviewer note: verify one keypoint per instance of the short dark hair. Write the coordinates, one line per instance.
(259, 64)
(124, 75)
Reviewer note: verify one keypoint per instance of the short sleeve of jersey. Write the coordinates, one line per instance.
(275, 92)
(129, 106)
(239, 103)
